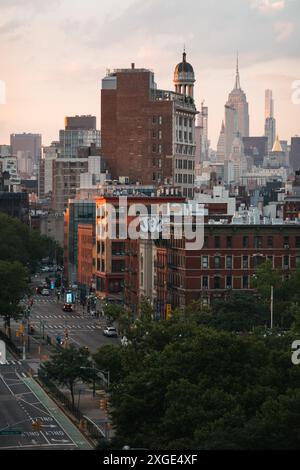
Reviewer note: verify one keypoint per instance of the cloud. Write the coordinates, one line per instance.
(284, 29)
(267, 6)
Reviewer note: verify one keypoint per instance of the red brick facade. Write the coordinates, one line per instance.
(85, 254)
(136, 133)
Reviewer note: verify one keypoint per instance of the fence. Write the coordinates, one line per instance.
(90, 429)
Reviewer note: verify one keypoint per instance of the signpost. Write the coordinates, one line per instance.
(11, 432)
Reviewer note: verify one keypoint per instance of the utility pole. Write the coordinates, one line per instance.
(272, 305)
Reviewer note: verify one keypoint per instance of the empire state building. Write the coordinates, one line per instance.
(236, 114)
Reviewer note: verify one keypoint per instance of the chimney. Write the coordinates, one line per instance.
(132, 65)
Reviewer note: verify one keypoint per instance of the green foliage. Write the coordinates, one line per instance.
(20, 251)
(13, 287)
(180, 384)
(69, 365)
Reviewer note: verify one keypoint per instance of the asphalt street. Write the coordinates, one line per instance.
(22, 401)
(83, 328)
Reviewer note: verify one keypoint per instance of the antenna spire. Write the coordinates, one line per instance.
(237, 79)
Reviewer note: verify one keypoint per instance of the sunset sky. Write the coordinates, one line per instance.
(54, 53)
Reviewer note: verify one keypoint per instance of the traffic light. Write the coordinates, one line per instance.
(103, 404)
(36, 425)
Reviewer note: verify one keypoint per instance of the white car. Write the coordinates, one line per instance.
(45, 269)
(110, 331)
(45, 292)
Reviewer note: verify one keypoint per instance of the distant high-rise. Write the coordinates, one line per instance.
(201, 135)
(30, 145)
(221, 145)
(236, 114)
(77, 142)
(270, 122)
(295, 153)
(80, 131)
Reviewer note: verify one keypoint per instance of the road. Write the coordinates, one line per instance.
(83, 329)
(22, 401)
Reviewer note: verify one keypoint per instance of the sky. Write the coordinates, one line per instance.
(54, 53)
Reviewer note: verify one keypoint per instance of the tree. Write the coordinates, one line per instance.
(69, 365)
(13, 287)
(189, 386)
(240, 311)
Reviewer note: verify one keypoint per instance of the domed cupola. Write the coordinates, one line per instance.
(184, 77)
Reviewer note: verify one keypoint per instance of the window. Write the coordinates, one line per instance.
(205, 245)
(297, 242)
(270, 242)
(246, 241)
(204, 262)
(217, 262)
(245, 262)
(217, 282)
(217, 242)
(245, 282)
(257, 242)
(185, 121)
(286, 242)
(228, 282)
(154, 119)
(185, 179)
(229, 262)
(160, 135)
(229, 242)
(286, 262)
(204, 282)
(190, 179)
(154, 148)
(180, 178)
(185, 164)
(190, 165)
(270, 259)
(257, 261)
(160, 120)
(297, 260)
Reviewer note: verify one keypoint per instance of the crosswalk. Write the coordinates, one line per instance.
(41, 317)
(44, 300)
(51, 326)
(11, 363)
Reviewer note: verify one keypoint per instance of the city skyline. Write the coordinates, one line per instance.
(55, 67)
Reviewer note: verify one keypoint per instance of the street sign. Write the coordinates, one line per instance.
(11, 432)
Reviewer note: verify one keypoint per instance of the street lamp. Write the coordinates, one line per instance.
(105, 379)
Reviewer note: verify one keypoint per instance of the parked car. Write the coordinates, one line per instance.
(45, 292)
(68, 308)
(45, 269)
(110, 331)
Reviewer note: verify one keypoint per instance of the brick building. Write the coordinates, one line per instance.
(227, 261)
(85, 260)
(148, 135)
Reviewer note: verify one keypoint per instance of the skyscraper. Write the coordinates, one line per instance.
(30, 145)
(221, 145)
(201, 133)
(270, 122)
(236, 114)
(295, 153)
(80, 131)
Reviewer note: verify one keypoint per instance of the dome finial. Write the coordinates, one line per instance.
(184, 54)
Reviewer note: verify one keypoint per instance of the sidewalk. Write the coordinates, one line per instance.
(88, 405)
